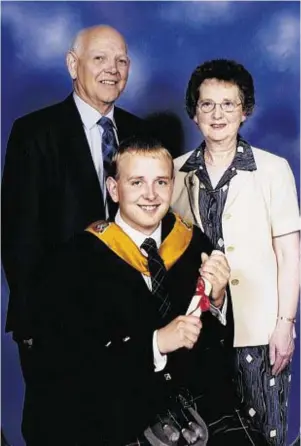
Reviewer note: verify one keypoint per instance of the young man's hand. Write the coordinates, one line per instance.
(181, 332)
(216, 270)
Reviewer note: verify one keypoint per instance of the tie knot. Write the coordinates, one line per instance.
(149, 245)
(105, 123)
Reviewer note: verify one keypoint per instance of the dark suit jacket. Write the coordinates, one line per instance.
(93, 333)
(50, 191)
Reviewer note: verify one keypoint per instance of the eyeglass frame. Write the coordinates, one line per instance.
(220, 104)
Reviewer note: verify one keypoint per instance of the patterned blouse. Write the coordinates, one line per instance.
(212, 200)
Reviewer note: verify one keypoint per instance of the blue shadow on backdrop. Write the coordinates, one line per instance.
(167, 40)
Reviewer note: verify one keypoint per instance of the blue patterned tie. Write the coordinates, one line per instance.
(109, 144)
(157, 271)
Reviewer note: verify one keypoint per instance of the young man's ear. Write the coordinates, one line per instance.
(112, 189)
(71, 61)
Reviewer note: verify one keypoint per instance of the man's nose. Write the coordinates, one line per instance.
(150, 192)
(111, 66)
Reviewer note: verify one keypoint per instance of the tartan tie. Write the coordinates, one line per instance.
(109, 144)
(158, 273)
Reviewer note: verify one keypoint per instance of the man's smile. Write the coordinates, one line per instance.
(108, 82)
(149, 207)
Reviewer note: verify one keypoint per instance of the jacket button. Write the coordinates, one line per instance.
(230, 248)
(235, 282)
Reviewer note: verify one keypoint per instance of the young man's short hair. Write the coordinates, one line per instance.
(143, 145)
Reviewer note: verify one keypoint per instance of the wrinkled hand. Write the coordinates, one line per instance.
(281, 346)
(181, 332)
(216, 270)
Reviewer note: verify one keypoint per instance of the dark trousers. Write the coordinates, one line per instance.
(43, 417)
(32, 419)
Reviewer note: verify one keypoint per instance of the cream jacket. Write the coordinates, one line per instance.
(260, 205)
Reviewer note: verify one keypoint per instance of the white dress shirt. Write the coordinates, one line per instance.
(90, 116)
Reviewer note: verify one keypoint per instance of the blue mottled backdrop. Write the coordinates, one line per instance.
(167, 40)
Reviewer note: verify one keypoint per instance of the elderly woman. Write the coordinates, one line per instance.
(244, 199)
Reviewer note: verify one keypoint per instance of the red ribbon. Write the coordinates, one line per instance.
(204, 302)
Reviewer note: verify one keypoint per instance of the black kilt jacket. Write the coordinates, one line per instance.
(94, 320)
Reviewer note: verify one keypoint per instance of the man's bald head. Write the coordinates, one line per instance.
(99, 66)
(85, 35)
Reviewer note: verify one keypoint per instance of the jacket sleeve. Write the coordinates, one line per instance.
(23, 185)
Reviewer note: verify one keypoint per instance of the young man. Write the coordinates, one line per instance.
(113, 341)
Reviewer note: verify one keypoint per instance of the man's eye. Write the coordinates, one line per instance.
(98, 58)
(136, 183)
(123, 61)
(162, 182)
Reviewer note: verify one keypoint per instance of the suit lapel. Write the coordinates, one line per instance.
(121, 123)
(134, 280)
(237, 184)
(79, 160)
(140, 302)
(192, 184)
(137, 299)
(167, 225)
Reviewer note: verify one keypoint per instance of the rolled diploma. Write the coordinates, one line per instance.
(200, 300)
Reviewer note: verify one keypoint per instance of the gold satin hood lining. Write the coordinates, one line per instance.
(121, 244)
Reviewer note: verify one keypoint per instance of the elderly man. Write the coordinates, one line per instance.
(54, 174)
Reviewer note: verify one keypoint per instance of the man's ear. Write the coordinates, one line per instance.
(71, 61)
(112, 189)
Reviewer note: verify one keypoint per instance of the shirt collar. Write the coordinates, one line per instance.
(137, 236)
(89, 115)
(243, 160)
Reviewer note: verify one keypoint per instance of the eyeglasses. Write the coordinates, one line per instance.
(209, 106)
